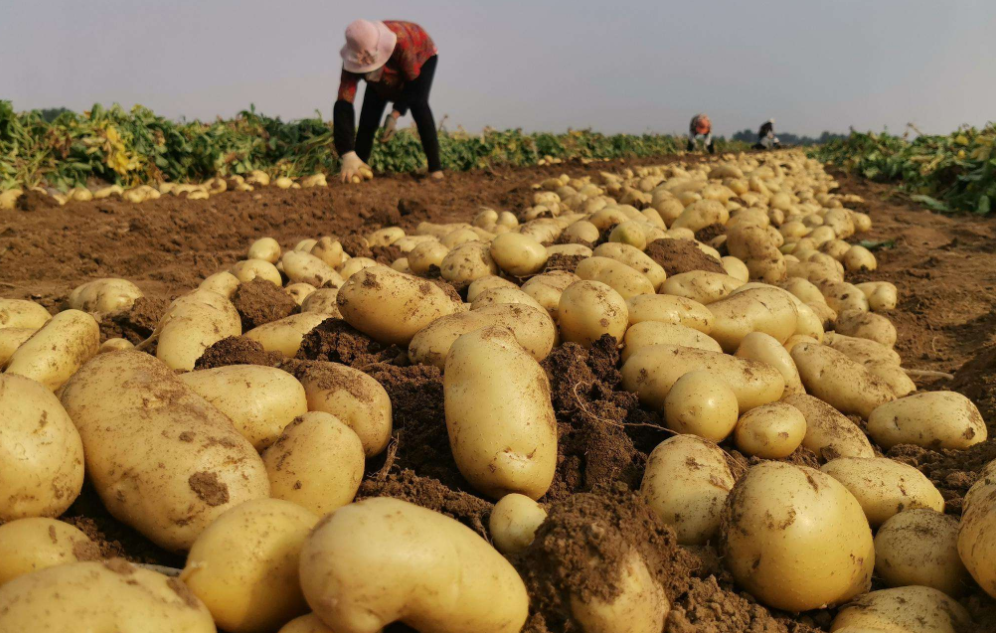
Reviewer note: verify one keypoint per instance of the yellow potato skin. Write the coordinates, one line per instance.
(589, 309)
(834, 378)
(920, 547)
(770, 311)
(884, 487)
(829, 433)
(309, 623)
(670, 309)
(935, 419)
(22, 313)
(27, 545)
(193, 323)
(57, 350)
(903, 609)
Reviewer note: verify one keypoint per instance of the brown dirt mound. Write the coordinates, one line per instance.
(237, 350)
(559, 261)
(977, 381)
(386, 254)
(430, 493)
(336, 341)
(681, 256)
(34, 200)
(706, 607)
(355, 246)
(260, 302)
(136, 323)
(952, 472)
(711, 232)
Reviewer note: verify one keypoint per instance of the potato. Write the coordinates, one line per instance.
(935, 419)
(19, 313)
(266, 249)
(385, 236)
(894, 376)
(859, 258)
(302, 267)
(299, 291)
(249, 269)
(976, 545)
(322, 301)
(764, 348)
(735, 268)
(310, 623)
(28, 545)
(192, 323)
(112, 595)
(829, 433)
(223, 283)
(768, 310)
(548, 287)
(533, 329)
(862, 351)
(670, 309)
(426, 255)
(260, 401)
(640, 607)
(624, 280)
(329, 250)
(583, 230)
(843, 296)
(904, 610)
(10, 339)
(655, 333)
(836, 379)
(390, 306)
(635, 259)
(354, 265)
(57, 350)
(700, 285)
(498, 296)
(513, 523)
(702, 404)
(589, 309)
(701, 214)
(795, 538)
(651, 372)
(686, 483)
(500, 444)
(803, 290)
(490, 282)
(771, 431)
(467, 262)
(285, 335)
(352, 397)
(518, 254)
(866, 325)
(920, 547)
(884, 487)
(882, 296)
(162, 459)
(104, 295)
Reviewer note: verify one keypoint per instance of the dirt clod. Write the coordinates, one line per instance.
(260, 302)
(681, 256)
(237, 350)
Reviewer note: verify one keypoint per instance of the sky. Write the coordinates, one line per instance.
(624, 66)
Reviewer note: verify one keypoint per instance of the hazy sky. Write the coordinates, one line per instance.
(614, 66)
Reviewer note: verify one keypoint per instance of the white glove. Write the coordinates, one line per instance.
(351, 166)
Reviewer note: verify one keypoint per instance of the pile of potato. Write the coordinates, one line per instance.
(252, 470)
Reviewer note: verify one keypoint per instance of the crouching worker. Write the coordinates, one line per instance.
(397, 60)
(766, 138)
(701, 130)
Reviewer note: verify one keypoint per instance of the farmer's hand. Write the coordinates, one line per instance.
(390, 123)
(353, 166)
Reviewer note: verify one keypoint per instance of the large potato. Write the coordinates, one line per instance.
(358, 573)
(700, 285)
(884, 487)
(110, 596)
(260, 401)
(467, 262)
(301, 267)
(766, 349)
(670, 309)
(41, 454)
(920, 547)
(866, 325)
(701, 403)
(836, 379)
(518, 254)
(829, 433)
(57, 350)
(653, 370)
(590, 309)
(193, 323)
(768, 310)
(976, 544)
(501, 444)
(104, 295)
(903, 610)
(686, 484)
(391, 306)
(862, 351)
(655, 332)
(10, 339)
(795, 538)
(771, 431)
(244, 566)
(249, 269)
(617, 275)
(23, 314)
(285, 335)
(162, 459)
(935, 419)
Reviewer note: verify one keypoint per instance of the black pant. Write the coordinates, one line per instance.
(414, 97)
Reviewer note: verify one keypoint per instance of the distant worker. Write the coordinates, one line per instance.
(766, 138)
(701, 129)
(397, 60)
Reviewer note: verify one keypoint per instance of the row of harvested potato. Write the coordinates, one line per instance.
(717, 355)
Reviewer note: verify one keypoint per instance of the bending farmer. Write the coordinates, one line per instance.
(397, 60)
(766, 138)
(701, 129)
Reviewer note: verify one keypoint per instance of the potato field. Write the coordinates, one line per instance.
(744, 393)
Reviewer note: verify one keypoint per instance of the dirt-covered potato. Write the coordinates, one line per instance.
(655, 332)
(285, 335)
(934, 419)
(862, 351)
(249, 269)
(300, 291)
(795, 538)
(651, 372)
(903, 610)
(467, 262)
(57, 350)
(28, 545)
(548, 287)
(976, 545)
(858, 258)
(882, 296)
(518, 254)
(588, 309)
(265, 248)
(884, 487)
(843, 296)
(836, 379)
(22, 314)
(458, 582)
(686, 484)
(10, 339)
(641, 605)
(866, 325)
(768, 310)
(920, 547)
(626, 281)
(513, 523)
(104, 295)
(670, 309)
(635, 259)
(829, 433)
(699, 285)
(192, 323)
(500, 444)
(162, 459)
(771, 431)
(41, 454)
(322, 300)
(260, 401)
(113, 595)
(701, 403)
(497, 296)
(386, 236)
(764, 348)
(317, 463)
(244, 566)
(390, 306)
(302, 267)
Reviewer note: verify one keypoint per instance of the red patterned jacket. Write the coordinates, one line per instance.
(414, 47)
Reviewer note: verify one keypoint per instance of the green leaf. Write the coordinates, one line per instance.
(873, 245)
(984, 205)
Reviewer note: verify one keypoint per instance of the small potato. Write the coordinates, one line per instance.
(700, 285)
(829, 433)
(322, 301)
(490, 282)
(329, 250)
(920, 547)
(686, 484)
(803, 290)
(22, 314)
(266, 249)
(243, 567)
(260, 401)
(858, 258)
(701, 404)
(570, 250)
(285, 335)
(500, 444)
(458, 583)
(223, 283)
(836, 379)
(354, 265)
(884, 487)
(518, 254)
(192, 323)
(635, 259)
(426, 255)
(27, 545)
(882, 296)
(935, 419)
(104, 295)
(310, 623)
(548, 287)
(624, 280)
(10, 339)
(300, 291)
(316, 463)
(656, 333)
(866, 325)
(115, 345)
(767, 349)
(843, 296)
(768, 310)
(894, 376)
(301, 267)
(583, 230)
(57, 350)
(112, 595)
(249, 269)
(903, 610)
(385, 236)
(513, 523)
(467, 262)
(390, 306)
(498, 296)
(670, 309)
(589, 309)
(795, 538)
(771, 431)
(735, 268)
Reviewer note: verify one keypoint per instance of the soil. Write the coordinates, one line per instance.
(260, 302)
(682, 256)
(944, 268)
